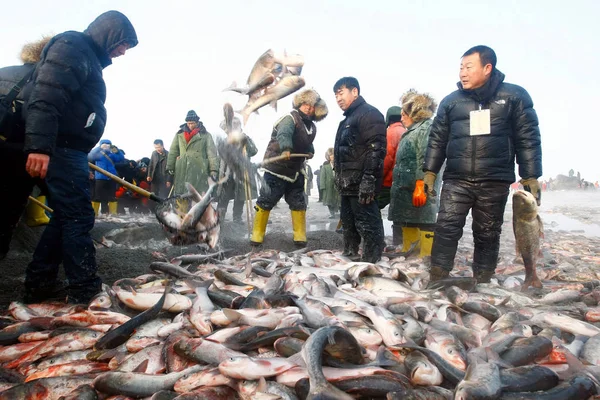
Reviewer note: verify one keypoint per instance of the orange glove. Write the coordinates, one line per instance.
(419, 195)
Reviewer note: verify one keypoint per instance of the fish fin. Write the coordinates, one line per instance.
(297, 359)
(194, 284)
(262, 385)
(351, 324)
(142, 367)
(232, 315)
(273, 104)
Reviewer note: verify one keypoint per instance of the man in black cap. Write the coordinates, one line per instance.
(65, 117)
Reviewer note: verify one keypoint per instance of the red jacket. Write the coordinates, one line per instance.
(394, 133)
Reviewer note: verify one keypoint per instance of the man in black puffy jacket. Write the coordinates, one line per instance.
(359, 151)
(65, 117)
(479, 130)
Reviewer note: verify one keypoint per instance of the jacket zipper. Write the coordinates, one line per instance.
(473, 156)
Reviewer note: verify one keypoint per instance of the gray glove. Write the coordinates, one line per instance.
(366, 190)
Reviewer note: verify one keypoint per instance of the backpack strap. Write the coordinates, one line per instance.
(14, 92)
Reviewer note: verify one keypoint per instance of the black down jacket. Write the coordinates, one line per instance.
(65, 100)
(514, 133)
(360, 147)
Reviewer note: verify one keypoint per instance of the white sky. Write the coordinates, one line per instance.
(189, 51)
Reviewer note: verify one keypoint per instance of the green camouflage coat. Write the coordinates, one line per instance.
(408, 169)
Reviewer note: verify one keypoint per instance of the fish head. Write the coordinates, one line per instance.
(392, 333)
(170, 219)
(366, 336)
(454, 356)
(235, 367)
(523, 330)
(524, 203)
(101, 301)
(202, 323)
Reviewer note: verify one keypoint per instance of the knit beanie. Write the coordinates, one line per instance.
(192, 116)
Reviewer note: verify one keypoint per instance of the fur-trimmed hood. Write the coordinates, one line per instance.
(310, 96)
(418, 106)
(32, 51)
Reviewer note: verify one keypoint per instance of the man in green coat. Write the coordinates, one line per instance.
(410, 208)
(331, 196)
(193, 156)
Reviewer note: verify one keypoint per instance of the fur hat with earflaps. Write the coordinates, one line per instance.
(310, 96)
(418, 106)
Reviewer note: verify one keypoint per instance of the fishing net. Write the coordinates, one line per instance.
(170, 214)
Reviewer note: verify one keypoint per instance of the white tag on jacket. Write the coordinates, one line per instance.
(480, 122)
(90, 120)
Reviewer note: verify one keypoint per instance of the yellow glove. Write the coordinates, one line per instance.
(429, 181)
(532, 185)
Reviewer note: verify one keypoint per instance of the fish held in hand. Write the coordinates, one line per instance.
(528, 229)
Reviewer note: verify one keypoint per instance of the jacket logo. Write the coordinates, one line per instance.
(502, 101)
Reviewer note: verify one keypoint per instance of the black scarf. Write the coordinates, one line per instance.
(484, 93)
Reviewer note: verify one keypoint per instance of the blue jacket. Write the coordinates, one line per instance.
(99, 157)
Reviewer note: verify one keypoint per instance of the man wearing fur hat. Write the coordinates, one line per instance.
(14, 179)
(293, 133)
(359, 151)
(65, 117)
(410, 208)
(479, 130)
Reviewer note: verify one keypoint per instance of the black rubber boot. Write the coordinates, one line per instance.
(483, 276)
(54, 291)
(396, 235)
(437, 273)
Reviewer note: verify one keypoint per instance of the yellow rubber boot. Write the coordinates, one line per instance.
(112, 207)
(96, 207)
(260, 225)
(426, 243)
(410, 236)
(36, 215)
(299, 227)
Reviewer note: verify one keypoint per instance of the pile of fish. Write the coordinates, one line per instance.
(314, 325)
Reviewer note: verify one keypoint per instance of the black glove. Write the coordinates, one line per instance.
(366, 190)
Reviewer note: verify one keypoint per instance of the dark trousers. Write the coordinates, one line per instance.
(384, 197)
(238, 208)
(362, 221)
(160, 189)
(486, 200)
(15, 187)
(275, 188)
(67, 237)
(104, 193)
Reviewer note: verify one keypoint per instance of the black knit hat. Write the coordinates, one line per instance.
(192, 116)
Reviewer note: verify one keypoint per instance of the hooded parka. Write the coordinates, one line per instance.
(409, 159)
